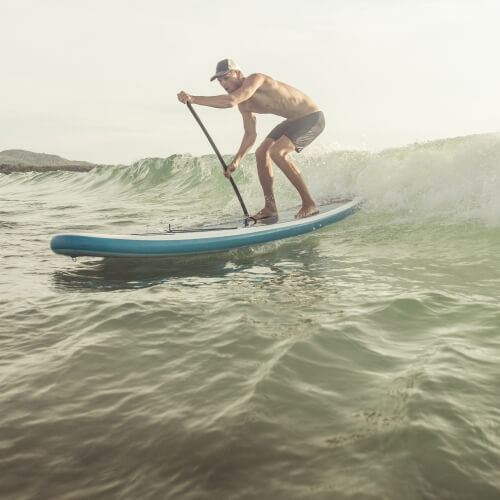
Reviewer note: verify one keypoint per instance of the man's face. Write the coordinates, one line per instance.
(230, 81)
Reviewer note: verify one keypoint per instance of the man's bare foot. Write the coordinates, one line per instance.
(307, 211)
(265, 213)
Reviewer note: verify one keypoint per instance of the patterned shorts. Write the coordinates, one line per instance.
(301, 131)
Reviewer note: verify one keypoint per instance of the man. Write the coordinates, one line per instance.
(259, 93)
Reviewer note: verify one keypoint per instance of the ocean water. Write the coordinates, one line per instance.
(357, 362)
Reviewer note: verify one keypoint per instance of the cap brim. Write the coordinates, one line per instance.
(220, 73)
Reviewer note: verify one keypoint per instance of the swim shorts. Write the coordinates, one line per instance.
(301, 131)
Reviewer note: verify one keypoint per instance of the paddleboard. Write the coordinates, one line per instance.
(209, 238)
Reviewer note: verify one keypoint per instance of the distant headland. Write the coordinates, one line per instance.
(18, 160)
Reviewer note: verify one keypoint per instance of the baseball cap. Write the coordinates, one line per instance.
(223, 67)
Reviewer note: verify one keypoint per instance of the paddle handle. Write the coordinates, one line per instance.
(223, 163)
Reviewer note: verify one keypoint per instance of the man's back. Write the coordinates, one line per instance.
(277, 98)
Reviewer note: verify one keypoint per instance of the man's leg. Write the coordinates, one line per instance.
(279, 151)
(265, 170)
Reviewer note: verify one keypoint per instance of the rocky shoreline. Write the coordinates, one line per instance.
(9, 169)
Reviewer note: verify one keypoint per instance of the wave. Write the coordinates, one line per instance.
(455, 179)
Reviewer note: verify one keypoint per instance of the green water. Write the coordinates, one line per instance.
(358, 362)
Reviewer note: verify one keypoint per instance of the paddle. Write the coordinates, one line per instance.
(224, 166)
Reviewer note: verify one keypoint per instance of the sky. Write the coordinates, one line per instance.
(97, 80)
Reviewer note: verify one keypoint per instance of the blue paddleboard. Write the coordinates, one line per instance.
(212, 238)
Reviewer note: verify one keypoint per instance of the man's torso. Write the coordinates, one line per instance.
(280, 99)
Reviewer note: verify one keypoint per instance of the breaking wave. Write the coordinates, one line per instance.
(454, 179)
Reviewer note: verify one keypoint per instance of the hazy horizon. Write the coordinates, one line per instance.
(98, 81)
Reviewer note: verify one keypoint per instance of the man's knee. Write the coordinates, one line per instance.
(278, 152)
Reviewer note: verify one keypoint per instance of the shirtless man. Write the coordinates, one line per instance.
(259, 93)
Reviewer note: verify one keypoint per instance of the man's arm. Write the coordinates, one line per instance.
(249, 124)
(247, 90)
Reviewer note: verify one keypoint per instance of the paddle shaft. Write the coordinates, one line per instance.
(224, 166)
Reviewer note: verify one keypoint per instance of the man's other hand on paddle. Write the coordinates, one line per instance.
(184, 98)
(230, 169)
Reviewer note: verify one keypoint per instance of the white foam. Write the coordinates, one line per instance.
(457, 179)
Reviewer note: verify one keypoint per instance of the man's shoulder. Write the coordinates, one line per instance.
(255, 77)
